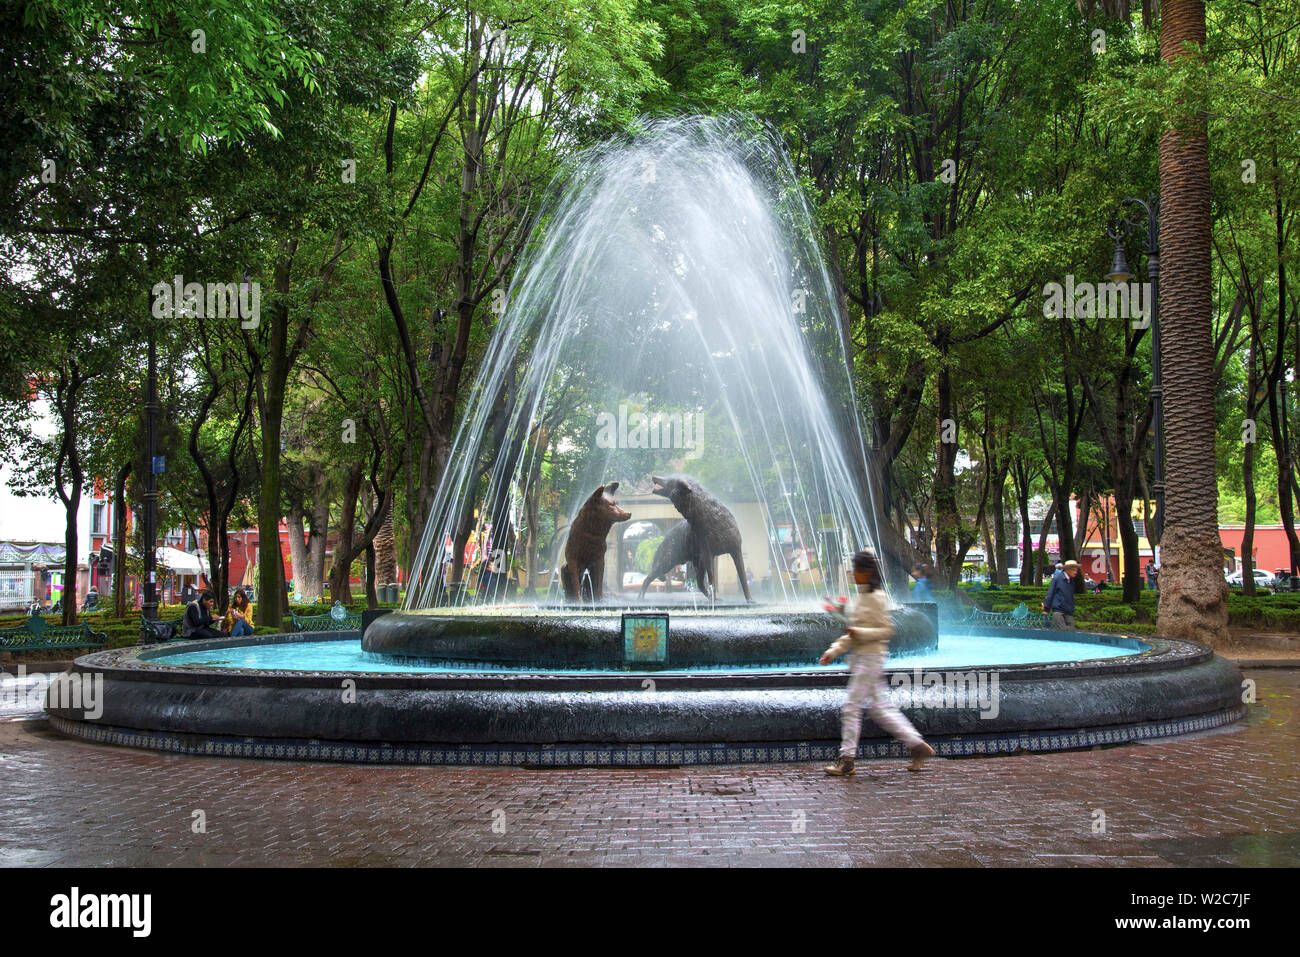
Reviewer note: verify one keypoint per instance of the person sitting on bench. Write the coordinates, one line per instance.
(197, 622)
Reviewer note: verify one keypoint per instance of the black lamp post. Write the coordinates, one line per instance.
(149, 607)
(1119, 230)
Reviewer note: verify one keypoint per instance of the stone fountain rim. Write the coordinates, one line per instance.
(138, 664)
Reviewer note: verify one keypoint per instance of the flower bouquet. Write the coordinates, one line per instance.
(838, 607)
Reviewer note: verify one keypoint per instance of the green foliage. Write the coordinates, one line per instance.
(459, 118)
(645, 553)
(1280, 612)
(209, 70)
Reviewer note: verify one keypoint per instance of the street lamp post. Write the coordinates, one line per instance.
(149, 607)
(1120, 272)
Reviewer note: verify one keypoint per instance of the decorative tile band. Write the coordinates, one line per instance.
(629, 755)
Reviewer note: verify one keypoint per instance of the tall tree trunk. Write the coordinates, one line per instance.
(1278, 384)
(341, 570)
(1148, 524)
(119, 540)
(1248, 535)
(318, 534)
(1282, 450)
(1000, 528)
(220, 562)
(284, 591)
(1081, 533)
(1020, 478)
(1131, 575)
(1103, 522)
(270, 584)
(68, 464)
(945, 486)
(1064, 523)
(372, 594)
(1193, 593)
(70, 559)
(1248, 481)
(297, 548)
(990, 555)
(279, 359)
(351, 545)
(1042, 542)
(532, 508)
(1124, 443)
(414, 531)
(385, 546)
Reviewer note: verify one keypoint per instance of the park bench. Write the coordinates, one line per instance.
(1019, 617)
(36, 634)
(160, 629)
(338, 619)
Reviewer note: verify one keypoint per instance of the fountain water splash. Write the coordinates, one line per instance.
(674, 279)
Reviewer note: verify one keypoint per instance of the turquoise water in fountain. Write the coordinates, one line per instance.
(954, 651)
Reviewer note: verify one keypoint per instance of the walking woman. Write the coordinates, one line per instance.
(870, 627)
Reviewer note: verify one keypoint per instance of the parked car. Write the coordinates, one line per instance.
(1262, 579)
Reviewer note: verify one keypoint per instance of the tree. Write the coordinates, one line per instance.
(1193, 593)
(474, 145)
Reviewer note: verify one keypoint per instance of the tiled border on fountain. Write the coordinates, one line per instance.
(241, 712)
(630, 755)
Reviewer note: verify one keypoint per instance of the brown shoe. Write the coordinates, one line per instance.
(920, 754)
(842, 768)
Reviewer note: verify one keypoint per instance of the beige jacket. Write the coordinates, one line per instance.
(870, 624)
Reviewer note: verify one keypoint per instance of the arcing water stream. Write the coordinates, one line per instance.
(672, 314)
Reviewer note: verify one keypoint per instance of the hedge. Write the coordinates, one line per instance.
(1279, 611)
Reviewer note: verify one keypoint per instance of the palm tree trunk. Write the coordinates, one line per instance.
(386, 546)
(1193, 593)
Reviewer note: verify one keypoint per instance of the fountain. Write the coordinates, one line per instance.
(672, 343)
(674, 314)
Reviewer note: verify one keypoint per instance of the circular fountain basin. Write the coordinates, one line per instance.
(236, 697)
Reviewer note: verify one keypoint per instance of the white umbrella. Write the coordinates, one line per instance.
(182, 563)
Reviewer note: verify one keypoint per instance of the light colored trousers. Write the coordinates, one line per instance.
(867, 688)
(1062, 621)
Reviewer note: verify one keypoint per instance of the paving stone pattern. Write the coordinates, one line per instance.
(1223, 798)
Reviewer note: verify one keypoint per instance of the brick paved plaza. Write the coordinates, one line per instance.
(1224, 798)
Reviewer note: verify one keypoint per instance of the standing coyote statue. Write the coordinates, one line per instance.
(711, 524)
(584, 552)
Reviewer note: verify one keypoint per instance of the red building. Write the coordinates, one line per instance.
(244, 544)
(101, 535)
(1269, 552)
(1102, 556)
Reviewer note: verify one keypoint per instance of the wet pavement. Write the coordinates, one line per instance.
(1225, 798)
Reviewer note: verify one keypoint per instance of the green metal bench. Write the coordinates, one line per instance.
(162, 629)
(36, 634)
(338, 619)
(1019, 617)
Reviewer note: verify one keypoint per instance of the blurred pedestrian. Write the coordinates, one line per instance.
(921, 590)
(870, 627)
